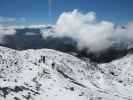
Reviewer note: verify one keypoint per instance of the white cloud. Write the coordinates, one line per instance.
(11, 19)
(23, 19)
(85, 29)
(90, 33)
(7, 19)
(37, 26)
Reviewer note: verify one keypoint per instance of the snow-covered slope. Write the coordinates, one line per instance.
(51, 75)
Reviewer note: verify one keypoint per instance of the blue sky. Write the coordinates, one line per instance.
(36, 11)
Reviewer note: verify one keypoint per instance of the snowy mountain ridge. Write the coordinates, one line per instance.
(47, 74)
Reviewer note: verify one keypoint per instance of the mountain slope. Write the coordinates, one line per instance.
(47, 74)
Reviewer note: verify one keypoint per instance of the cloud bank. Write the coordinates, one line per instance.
(96, 36)
(90, 34)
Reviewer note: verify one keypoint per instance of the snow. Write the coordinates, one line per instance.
(47, 74)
